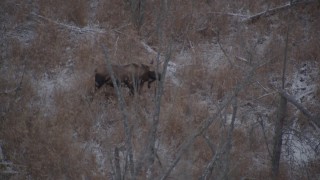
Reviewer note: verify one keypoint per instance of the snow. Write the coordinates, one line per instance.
(171, 73)
(302, 84)
(94, 148)
(303, 88)
(61, 80)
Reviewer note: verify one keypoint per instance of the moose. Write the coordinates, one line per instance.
(132, 75)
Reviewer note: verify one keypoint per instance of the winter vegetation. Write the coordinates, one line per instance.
(238, 98)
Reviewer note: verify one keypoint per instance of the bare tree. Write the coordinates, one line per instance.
(149, 153)
(128, 142)
(281, 115)
(314, 118)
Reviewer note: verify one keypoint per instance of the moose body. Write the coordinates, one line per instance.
(132, 75)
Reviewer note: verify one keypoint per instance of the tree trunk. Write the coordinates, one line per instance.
(281, 115)
(277, 144)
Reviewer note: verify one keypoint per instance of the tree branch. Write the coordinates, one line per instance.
(229, 139)
(314, 118)
(264, 133)
(73, 28)
(124, 114)
(206, 123)
(270, 12)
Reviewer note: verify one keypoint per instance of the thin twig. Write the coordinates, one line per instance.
(116, 47)
(242, 59)
(262, 96)
(264, 134)
(265, 89)
(230, 14)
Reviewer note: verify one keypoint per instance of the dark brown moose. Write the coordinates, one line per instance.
(132, 75)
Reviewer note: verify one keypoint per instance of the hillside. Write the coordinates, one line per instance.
(239, 95)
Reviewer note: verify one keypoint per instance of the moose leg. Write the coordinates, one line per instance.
(131, 90)
(136, 85)
(149, 82)
(141, 85)
(130, 86)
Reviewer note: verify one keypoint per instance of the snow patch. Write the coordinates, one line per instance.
(228, 118)
(47, 86)
(303, 86)
(171, 72)
(98, 152)
(298, 150)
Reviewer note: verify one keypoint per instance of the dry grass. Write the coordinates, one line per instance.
(112, 14)
(73, 12)
(225, 80)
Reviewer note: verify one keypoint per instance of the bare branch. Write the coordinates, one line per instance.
(265, 89)
(117, 164)
(270, 12)
(264, 134)
(314, 118)
(230, 14)
(206, 123)
(208, 170)
(210, 144)
(150, 152)
(242, 59)
(73, 28)
(148, 48)
(124, 114)
(229, 139)
(116, 47)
